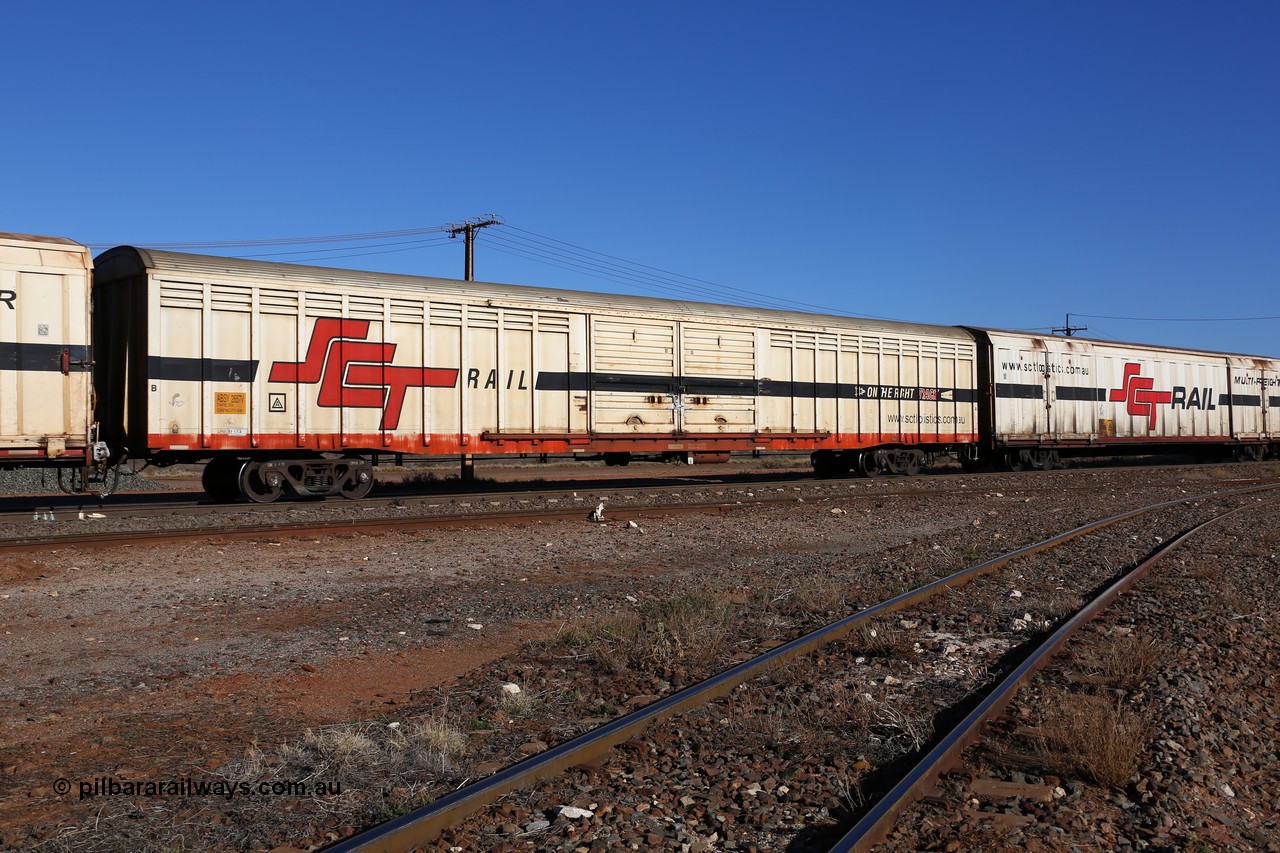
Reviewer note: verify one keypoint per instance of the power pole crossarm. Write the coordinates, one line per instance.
(468, 229)
(1069, 329)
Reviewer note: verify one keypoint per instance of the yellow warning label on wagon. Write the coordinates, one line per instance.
(230, 403)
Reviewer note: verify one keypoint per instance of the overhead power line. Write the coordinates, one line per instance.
(567, 255)
(408, 245)
(286, 241)
(1177, 319)
(544, 253)
(509, 240)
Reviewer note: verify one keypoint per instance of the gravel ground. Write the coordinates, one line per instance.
(222, 661)
(1189, 665)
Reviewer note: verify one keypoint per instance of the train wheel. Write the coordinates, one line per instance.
(1049, 461)
(1249, 453)
(868, 466)
(258, 487)
(1016, 460)
(357, 484)
(220, 479)
(912, 466)
(825, 464)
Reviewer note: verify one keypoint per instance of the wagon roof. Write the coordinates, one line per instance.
(1110, 343)
(36, 238)
(126, 261)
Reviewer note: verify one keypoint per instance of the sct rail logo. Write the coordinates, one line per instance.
(1137, 395)
(356, 372)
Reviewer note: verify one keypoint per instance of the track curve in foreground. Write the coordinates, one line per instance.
(880, 818)
(424, 824)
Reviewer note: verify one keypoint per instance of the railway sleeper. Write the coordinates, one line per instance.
(262, 481)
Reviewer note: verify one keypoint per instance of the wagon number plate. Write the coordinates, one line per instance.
(229, 403)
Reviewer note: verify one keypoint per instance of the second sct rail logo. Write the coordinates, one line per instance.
(353, 371)
(1140, 399)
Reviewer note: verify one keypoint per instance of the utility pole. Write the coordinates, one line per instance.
(1069, 329)
(469, 229)
(467, 473)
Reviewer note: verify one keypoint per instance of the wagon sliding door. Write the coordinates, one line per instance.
(634, 376)
(718, 370)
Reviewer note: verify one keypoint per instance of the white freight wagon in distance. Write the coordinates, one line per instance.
(45, 416)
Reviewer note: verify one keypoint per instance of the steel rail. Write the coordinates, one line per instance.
(132, 505)
(425, 824)
(876, 823)
(365, 525)
(46, 540)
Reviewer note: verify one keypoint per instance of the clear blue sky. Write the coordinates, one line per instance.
(986, 163)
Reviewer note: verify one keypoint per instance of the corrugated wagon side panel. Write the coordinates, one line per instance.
(281, 337)
(776, 414)
(559, 404)
(44, 348)
(1163, 396)
(175, 360)
(871, 374)
(202, 365)
(444, 404)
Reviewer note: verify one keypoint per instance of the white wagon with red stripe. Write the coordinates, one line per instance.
(294, 378)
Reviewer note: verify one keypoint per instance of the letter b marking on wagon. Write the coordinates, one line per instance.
(352, 371)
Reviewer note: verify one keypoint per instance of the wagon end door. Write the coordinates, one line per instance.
(44, 347)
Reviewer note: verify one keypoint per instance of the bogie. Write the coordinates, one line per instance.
(228, 478)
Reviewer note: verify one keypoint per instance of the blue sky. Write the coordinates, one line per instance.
(999, 164)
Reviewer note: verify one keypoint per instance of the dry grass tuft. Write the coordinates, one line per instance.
(1212, 472)
(690, 629)
(1207, 568)
(1057, 604)
(363, 758)
(522, 704)
(882, 641)
(815, 597)
(1094, 737)
(1128, 663)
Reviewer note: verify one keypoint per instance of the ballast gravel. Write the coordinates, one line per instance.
(167, 662)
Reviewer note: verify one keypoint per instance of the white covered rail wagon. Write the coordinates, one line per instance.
(291, 377)
(1051, 395)
(44, 353)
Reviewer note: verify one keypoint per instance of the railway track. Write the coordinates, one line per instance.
(178, 515)
(452, 818)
